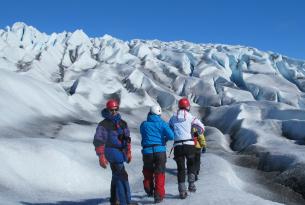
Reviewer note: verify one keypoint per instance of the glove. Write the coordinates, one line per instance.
(128, 154)
(102, 159)
(203, 150)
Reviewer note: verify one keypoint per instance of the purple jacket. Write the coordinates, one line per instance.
(112, 132)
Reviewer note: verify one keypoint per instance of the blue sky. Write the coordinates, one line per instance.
(269, 25)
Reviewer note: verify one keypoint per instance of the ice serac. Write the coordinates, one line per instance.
(232, 73)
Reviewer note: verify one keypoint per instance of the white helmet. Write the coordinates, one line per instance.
(156, 109)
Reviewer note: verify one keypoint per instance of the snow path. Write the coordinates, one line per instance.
(225, 178)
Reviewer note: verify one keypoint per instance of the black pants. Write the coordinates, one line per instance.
(184, 153)
(197, 160)
(155, 162)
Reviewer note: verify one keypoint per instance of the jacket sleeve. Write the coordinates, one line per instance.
(126, 132)
(100, 136)
(167, 132)
(128, 141)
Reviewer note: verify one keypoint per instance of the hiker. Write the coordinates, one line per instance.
(113, 144)
(155, 133)
(184, 146)
(200, 145)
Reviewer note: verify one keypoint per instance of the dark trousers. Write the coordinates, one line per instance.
(185, 153)
(197, 160)
(154, 174)
(119, 190)
(155, 161)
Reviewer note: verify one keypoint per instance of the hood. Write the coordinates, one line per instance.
(181, 114)
(153, 117)
(107, 115)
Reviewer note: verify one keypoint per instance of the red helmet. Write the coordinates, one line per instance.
(184, 103)
(112, 104)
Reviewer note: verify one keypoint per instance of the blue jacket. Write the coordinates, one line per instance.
(112, 132)
(155, 133)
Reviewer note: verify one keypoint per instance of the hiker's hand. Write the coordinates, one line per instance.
(103, 161)
(128, 154)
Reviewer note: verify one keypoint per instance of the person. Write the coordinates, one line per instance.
(155, 133)
(184, 150)
(113, 144)
(200, 145)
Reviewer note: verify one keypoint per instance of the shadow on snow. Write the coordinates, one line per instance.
(141, 199)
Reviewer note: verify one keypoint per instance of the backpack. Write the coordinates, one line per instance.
(198, 136)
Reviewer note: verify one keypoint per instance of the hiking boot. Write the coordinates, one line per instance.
(183, 195)
(158, 200)
(182, 190)
(192, 187)
(149, 192)
(181, 187)
(115, 203)
(191, 181)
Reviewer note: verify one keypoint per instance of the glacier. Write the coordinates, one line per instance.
(53, 87)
